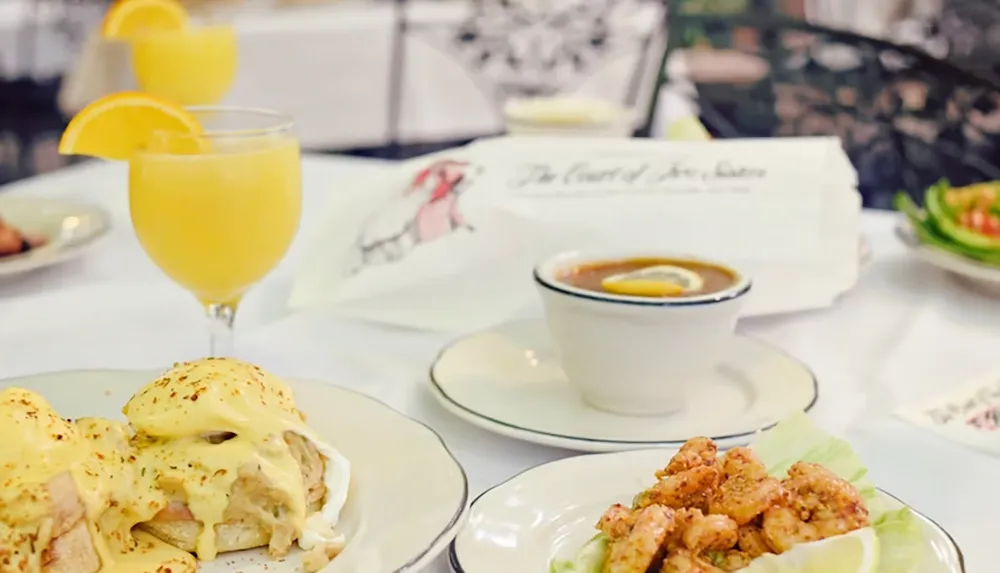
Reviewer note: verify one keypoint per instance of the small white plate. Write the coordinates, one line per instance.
(974, 274)
(408, 495)
(550, 511)
(68, 226)
(507, 379)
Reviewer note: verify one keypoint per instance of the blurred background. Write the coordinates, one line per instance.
(912, 87)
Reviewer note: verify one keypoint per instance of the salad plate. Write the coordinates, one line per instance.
(539, 520)
(68, 227)
(391, 524)
(957, 230)
(979, 276)
(507, 379)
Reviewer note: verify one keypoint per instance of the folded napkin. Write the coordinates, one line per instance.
(448, 242)
(942, 373)
(968, 414)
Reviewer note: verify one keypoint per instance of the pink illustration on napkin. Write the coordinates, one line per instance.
(440, 214)
(972, 405)
(969, 415)
(426, 210)
(988, 420)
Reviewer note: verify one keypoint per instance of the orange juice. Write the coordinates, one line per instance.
(217, 221)
(193, 66)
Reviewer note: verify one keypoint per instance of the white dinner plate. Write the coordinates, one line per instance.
(68, 226)
(408, 494)
(549, 512)
(974, 274)
(507, 379)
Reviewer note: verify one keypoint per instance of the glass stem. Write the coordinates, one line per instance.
(220, 317)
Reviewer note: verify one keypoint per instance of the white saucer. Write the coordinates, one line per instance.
(507, 379)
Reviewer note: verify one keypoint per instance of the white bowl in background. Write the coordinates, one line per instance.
(568, 116)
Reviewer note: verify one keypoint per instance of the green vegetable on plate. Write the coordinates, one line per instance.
(963, 221)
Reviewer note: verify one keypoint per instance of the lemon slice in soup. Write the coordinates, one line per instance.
(656, 281)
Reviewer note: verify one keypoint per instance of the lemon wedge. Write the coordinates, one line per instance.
(656, 281)
(642, 287)
(855, 552)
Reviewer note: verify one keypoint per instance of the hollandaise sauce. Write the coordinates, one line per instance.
(49, 488)
(205, 426)
(208, 444)
(129, 501)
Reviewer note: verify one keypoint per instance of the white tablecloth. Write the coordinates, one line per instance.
(905, 332)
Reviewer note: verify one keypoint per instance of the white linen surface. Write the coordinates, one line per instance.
(905, 331)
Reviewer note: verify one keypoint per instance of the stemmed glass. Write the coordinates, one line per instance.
(218, 210)
(193, 66)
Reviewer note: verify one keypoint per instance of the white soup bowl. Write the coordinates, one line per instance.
(634, 355)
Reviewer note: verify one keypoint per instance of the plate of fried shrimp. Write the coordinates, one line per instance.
(797, 500)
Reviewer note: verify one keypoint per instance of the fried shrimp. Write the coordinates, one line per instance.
(683, 520)
(732, 560)
(636, 551)
(746, 490)
(783, 529)
(742, 462)
(834, 504)
(688, 562)
(694, 453)
(751, 541)
(617, 521)
(717, 514)
(710, 533)
(821, 505)
(688, 488)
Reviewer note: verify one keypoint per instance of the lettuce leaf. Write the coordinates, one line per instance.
(590, 558)
(900, 541)
(798, 439)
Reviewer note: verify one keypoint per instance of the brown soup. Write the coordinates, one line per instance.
(592, 276)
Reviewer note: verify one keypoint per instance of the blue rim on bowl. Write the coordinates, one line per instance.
(545, 275)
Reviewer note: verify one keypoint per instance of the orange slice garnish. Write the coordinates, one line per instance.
(126, 18)
(118, 125)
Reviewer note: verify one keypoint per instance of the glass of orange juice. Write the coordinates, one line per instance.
(217, 211)
(190, 66)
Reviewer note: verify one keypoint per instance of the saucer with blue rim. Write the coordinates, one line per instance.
(507, 379)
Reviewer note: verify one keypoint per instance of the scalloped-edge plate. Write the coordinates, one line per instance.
(408, 495)
(550, 511)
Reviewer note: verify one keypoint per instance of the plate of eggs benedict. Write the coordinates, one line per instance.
(214, 466)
